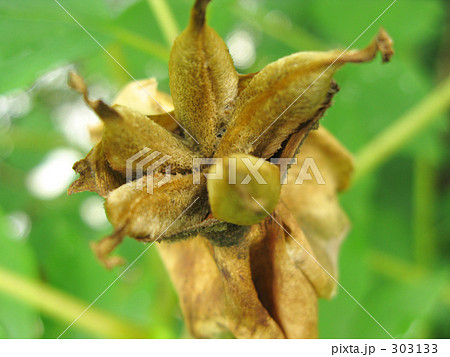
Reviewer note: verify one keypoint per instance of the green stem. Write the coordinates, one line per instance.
(66, 308)
(165, 20)
(424, 194)
(139, 42)
(404, 272)
(290, 34)
(104, 28)
(36, 140)
(119, 75)
(402, 130)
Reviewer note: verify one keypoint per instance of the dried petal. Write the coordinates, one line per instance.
(319, 214)
(248, 285)
(196, 278)
(302, 253)
(284, 288)
(144, 97)
(247, 317)
(203, 80)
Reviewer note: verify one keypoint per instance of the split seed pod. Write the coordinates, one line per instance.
(247, 259)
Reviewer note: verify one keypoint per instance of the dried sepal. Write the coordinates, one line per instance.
(287, 94)
(203, 80)
(202, 300)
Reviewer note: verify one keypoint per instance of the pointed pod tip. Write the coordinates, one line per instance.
(105, 247)
(198, 13)
(103, 110)
(71, 190)
(76, 82)
(385, 45)
(381, 43)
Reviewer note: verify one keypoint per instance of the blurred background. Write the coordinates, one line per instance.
(392, 117)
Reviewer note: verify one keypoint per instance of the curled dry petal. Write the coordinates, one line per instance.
(203, 80)
(105, 247)
(287, 94)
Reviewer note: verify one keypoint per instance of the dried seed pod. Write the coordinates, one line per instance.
(236, 269)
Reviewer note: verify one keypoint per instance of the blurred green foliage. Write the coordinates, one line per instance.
(395, 260)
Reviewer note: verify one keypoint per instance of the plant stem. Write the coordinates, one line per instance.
(139, 42)
(404, 272)
(424, 194)
(165, 20)
(288, 33)
(66, 308)
(402, 130)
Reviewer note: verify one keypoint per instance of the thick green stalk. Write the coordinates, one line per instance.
(66, 308)
(402, 130)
